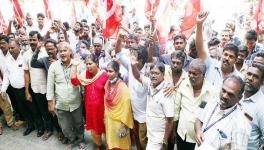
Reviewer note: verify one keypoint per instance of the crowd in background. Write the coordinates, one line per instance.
(204, 92)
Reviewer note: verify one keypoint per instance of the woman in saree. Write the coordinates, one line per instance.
(118, 112)
(93, 80)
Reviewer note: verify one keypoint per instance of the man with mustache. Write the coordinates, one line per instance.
(253, 104)
(191, 97)
(223, 124)
(216, 71)
(64, 99)
(36, 87)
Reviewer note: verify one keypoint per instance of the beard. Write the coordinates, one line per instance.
(176, 70)
(250, 88)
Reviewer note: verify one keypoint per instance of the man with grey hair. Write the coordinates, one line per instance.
(67, 105)
(191, 97)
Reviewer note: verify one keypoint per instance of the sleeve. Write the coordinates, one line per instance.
(122, 57)
(261, 127)
(6, 82)
(168, 107)
(145, 81)
(177, 104)
(51, 83)
(208, 62)
(75, 81)
(25, 62)
(35, 62)
(5, 74)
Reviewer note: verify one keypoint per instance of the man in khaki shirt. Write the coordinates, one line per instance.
(191, 98)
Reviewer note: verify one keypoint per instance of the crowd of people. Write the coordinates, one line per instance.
(205, 92)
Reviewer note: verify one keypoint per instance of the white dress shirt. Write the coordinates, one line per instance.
(38, 79)
(13, 73)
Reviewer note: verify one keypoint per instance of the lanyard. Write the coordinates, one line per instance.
(207, 127)
(66, 73)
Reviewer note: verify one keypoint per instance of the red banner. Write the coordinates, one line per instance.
(112, 19)
(18, 12)
(3, 25)
(47, 9)
(259, 15)
(189, 20)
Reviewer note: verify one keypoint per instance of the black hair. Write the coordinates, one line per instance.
(115, 66)
(213, 42)
(66, 25)
(4, 37)
(32, 33)
(142, 53)
(231, 47)
(239, 81)
(260, 67)
(93, 57)
(179, 36)
(159, 65)
(40, 15)
(243, 48)
(51, 41)
(84, 20)
(179, 55)
(251, 35)
(192, 49)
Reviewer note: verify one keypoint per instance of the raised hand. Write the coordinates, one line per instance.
(77, 59)
(134, 59)
(201, 17)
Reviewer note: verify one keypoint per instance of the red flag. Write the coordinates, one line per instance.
(151, 6)
(259, 15)
(3, 25)
(112, 19)
(86, 2)
(73, 14)
(47, 9)
(18, 12)
(189, 20)
(164, 19)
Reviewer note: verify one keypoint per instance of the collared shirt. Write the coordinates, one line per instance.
(67, 96)
(38, 79)
(188, 107)
(253, 106)
(258, 48)
(159, 107)
(14, 73)
(231, 132)
(168, 75)
(166, 59)
(104, 60)
(137, 91)
(214, 73)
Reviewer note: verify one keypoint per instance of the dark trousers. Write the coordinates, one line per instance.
(41, 104)
(11, 94)
(22, 105)
(183, 145)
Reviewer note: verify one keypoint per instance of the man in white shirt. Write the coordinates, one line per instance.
(4, 103)
(223, 124)
(14, 80)
(159, 109)
(137, 91)
(36, 86)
